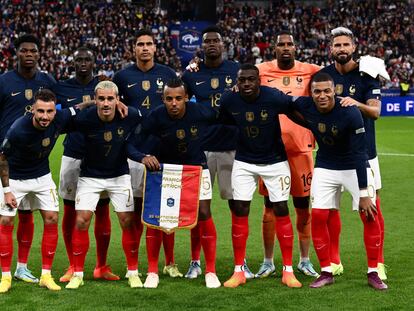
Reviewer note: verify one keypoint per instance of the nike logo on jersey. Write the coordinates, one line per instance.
(131, 85)
(70, 99)
(200, 82)
(270, 80)
(15, 94)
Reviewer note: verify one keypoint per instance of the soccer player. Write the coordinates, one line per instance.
(362, 91)
(25, 174)
(260, 153)
(180, 127)
(140, 86)
(291, 77)
(104, 167)
(70, 92)
(207, 83)
(341, 161)
(17, 88)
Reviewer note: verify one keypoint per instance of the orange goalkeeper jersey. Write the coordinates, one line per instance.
(295, 82)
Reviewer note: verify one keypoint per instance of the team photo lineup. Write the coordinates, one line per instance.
(288, 128)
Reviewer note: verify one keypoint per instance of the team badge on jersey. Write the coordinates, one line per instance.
(46, 142)
(250, 116)
(334, 130)
(146, 85)
(160, 85)
(28, 93)
(180, 134)
(352, 90)
(86, 98)
(120, 131)
(228, 81)
(286, 81)
(215, 83)
(194, 131)
(264, 115)
(108, 136)
(339, 88)
(322, 127)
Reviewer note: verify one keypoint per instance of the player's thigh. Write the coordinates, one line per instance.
(211, 157)
(69, 175)
(206, 189)
(120, 193)
(137, 171)
(277, 179)
(301, 170)
(326, 189)
(350, 183)
(225, 162)
(88, 193)
(374, 163)
(244, 180)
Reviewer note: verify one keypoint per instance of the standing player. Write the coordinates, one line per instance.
(341, 161)
(69, 93)
(180, 127)
(260, 153)
(212, 78)
(140, 86)
(291, 77)
(17, 88)
(104, 167)
(24, 155)
(362, 91)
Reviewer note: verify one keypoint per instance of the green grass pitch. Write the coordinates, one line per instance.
(350, 292)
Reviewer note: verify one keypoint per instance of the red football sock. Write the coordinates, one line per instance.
(334, 227)
(25, 230)
(240, 233)
(372, 240)
(303, 223)
(381, 223)
(68, 223)
(80, 245)
(49, 243)
(209, 243)
(102, 233)
(195, 243)
(139, 227)
(284, 233)
(6, 247)
(268, 231)
(154, 240)
(168, 243)
(320, 235)
(130, 246)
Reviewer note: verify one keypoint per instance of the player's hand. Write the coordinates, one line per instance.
(348, 101)
(367, 208)
(151, 163)
(235, 89)
(193, 66)
(10, 200)
(122, 109)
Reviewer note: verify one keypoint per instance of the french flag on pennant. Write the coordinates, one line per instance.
(171, 197)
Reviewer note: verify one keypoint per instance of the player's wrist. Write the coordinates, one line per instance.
(6, 190)
(363, 193)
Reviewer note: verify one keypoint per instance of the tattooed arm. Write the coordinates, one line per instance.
(9, 198)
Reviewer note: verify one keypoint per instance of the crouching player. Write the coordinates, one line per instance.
(180, 127)
(341, 161)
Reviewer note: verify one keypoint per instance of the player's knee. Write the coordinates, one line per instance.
(6, 221)
(301, 202)
(280, 209)
(82, 221)
(138, 205)
(241, 208)
(268, 215)
(204, 211)
(125, 220)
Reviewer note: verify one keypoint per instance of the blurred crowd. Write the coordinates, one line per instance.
(382, 28)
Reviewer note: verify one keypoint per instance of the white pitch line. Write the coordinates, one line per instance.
(396, 154)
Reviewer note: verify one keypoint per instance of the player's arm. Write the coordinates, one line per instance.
(371, 109)
(9, 198)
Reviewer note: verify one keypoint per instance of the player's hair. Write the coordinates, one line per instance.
(45, 95)
(84, 49)
(176, 82)
(249, 67)
(144, 32)
(321, 77)
(106, 85)
(283, 33)
(212, 28)
(26, 38)
(341, 31)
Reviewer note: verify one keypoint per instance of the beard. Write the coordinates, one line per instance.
(342, 60)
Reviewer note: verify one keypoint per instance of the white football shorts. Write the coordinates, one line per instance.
(136, 170)
(374, 163)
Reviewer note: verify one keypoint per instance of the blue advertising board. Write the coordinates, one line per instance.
(397, 106)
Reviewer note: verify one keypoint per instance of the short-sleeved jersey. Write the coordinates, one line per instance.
(295, 82)
(259, 139)
(69, 93)
(360, 87)
(27, 148)
(16, 96)
(208, 85)
(105, 154)
(340, 135)
(181, 140)
(143, 90)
